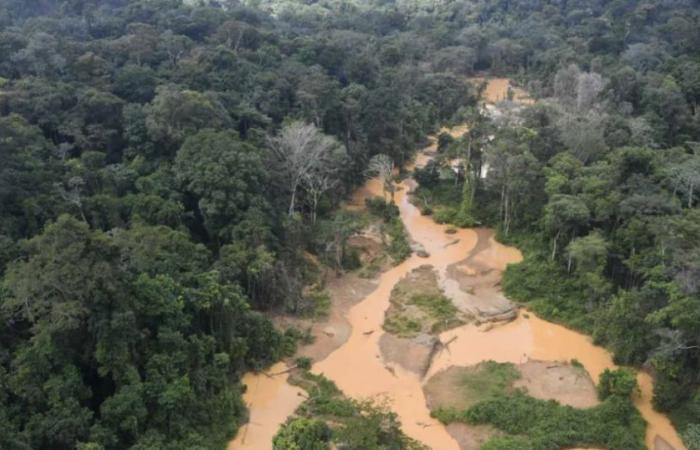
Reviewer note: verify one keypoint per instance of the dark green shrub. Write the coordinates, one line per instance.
(302, 434)
(379, 207)
(303, 362)
(399, 248)
(619, 382)
(428, 176)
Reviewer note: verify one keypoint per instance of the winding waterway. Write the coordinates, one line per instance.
(357, 366)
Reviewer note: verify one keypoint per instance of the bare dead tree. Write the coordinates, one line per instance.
(302, 148)
(317, 183)
(686, 175)
(382, 166)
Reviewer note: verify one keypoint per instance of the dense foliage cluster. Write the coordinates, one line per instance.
(164, 165)
(327, 419)
(597, 182)
(535, 424)
(154, 193)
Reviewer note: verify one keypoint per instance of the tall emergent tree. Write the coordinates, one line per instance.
(306, 156)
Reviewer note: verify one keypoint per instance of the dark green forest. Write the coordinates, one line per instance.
(157, 198)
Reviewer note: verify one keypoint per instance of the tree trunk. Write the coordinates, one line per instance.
(238, 41)
(506, 219)
(554, 245)
(293, 199)
(501, 207)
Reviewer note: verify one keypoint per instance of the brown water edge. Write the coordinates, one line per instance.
(270, 400)
(357, 367)
(359, 371)
(497, 91)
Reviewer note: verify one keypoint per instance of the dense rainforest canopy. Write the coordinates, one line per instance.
(154, 197)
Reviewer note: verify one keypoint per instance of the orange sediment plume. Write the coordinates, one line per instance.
(357, 366)
(270, 400)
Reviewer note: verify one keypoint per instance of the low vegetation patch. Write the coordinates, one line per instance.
(328, 418)
(315, 303)
(373, 267)
(459, 388)
(419, 306)
(545, 287)
(444, 199)
(397, 242)
(534, 424)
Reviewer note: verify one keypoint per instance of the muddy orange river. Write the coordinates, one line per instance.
(359, 370)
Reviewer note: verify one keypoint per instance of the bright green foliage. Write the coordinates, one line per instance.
(227, 178)
(489, 398)
(123, 308)
(619, 382)
(402, 326)
(486, 381)
(147, 122)
(546, 286)
(328, 416)
(302, 434)
(443, 314)
(691, 437)
(628, 281)
(540, 425)
(399, 248)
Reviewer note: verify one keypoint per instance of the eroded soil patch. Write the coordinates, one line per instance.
(413, 354)
(474, 283)
(418, 306)
(460, 388)
(565, 383)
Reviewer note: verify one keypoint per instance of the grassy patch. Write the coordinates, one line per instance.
(487, 397)
(402, 326)
(459, 388)
(545, 424)
(444, 201)
(373, 267)
(398, 246)
(418, 306)
(439, 309)
(488, 380)
(442, 194)
(316, 303)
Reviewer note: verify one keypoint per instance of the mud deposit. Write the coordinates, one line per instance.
(469, 264)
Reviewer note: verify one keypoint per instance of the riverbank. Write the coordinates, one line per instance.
(470, 256)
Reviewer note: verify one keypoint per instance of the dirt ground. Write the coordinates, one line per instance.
(369, 249)
(413, 354)
(471, 437)
(661, 444)
(545, 380)
(442, 390)
(333, 331)
(406, 319)
(562, 382)
(474, 283)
